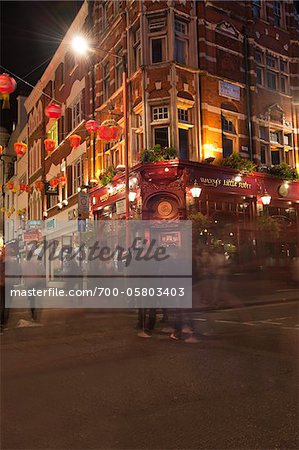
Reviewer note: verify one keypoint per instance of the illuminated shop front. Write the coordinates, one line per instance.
(236, 211)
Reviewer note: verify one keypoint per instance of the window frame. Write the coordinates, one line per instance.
(106, 81)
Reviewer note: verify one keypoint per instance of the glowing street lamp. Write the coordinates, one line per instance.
(266, 198)
(195, 190)
(132, 196)
(80, 45)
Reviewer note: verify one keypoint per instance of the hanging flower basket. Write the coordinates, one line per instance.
(62, 180)
(39, 185)
(54, 182)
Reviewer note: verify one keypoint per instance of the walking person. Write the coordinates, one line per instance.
(183, 326)
(146, 322)
(32, 272)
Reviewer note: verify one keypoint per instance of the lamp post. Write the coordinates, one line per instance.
(195, 192)
(80, 46)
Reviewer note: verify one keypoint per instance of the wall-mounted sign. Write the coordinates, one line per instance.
(50, 224)
(229, 90)
(51, 190)
(73, 214)
(226, 182)
(170, 238)
(32, 235)
(120, 207)
(112, 191)
(35, 224)
(83, 205)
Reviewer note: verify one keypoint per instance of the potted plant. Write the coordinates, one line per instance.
(235, 161)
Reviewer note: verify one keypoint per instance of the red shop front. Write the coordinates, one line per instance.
(230, 205)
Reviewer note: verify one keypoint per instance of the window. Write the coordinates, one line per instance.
(77, 113)
(258, 56)
(105, 18)
(106, 81)
(283, 83)
(228, 125)
(53, 133)
(158, 53)
(116, 7)
(276, 13)
(180, 54)
(60, 76)
(271, 80)
(77, 175)
(271, 62)
(161, 136)
(275, 157)
(52, 201)
(287, 140)
(283, 66)
(275, 136)
(157, 24)
(137, 49)
(183, 143)
(227, 146)
(259, 75)
(160, 113)
(118, 70)
(180, 41)
(263, 154)
(183, 115)
(180, 27)
(256, 8)
(263, 133)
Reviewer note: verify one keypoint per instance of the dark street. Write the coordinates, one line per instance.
(92, 384)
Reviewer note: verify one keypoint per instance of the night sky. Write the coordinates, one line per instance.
(30, 34)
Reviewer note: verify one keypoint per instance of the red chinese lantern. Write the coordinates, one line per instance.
(53, 111)
(20, 148)
(22, 187)
(62, 180)
(27, 188)
(7, 86)
(10, 185)
(109, 131)
(39, 185)
(50, 145)
(1, 150)
(54, 182)
(75, 140)
(91, 126)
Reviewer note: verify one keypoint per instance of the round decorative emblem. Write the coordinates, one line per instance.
(283, 190)
(164, 208)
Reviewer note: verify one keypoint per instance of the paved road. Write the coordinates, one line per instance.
(92, 384)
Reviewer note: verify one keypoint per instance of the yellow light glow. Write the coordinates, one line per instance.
(80, 45)
(209, 150)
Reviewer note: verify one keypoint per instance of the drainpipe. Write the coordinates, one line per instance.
(248, 93)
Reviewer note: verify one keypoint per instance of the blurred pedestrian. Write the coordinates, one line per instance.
(146, 322)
